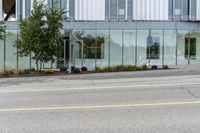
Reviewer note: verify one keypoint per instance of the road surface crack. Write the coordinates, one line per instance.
(190, 92)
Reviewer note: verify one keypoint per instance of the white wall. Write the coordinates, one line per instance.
(197, 10)
(89, 9)
(1, 9)
(150, 9)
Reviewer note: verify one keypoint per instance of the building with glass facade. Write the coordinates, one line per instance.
(101, 33)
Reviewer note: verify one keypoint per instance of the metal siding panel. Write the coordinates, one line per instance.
(50, 3)
(197, 10)
(90, 9)
(193, 9)
(113, 9)
(130, 9)
(121, 6)
(1, 9)
(139, 10)
(71, 9)
(28, 7)
(107, 5)
(103, 10)
(84, 9)
(63, 4)
(134, 9)
(143, 5)
(162, 10)
(170, 9)
(148, 10)
(185, 10)
(152, 17)
(157, 2)
(166, 6)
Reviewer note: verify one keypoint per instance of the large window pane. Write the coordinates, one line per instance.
(103, 42)
(90, 49)
(56, 4)
(11, 52)
(9, 9)
(155, 45)
(194, 50)
(77, 60)
(129, 47)
(170, 47)
(142, 39)
(115, 47)
(113, 9)
(181, 46)
(85, 48)
(1, 54)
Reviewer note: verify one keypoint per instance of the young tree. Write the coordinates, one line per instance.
(53, 35)
(40, 34)
(2, 30)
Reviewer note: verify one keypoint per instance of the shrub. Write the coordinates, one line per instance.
(27, 71)
(145, 67)
(19, 72)
(130, 68)
(76, 71)
(165, 67)
(98, 69)
(49, 70)
(106, 69)
(1, 74)
(72, 68)
(8, 72)
(154, 67)
(63, 69)
(32, 69)
(84, 69)
(119, 68)
(139, 68)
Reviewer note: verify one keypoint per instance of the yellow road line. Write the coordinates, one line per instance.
(98, 106)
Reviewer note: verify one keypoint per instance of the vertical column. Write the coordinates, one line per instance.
(107, 5)
(1, 10)
(72, 9)
(50, 3)
(121, 9)
(113, 9)
(27, 7)
(185, 10)
(192, 9)
(129, 9)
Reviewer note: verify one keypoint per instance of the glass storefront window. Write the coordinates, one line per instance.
(89, 48)
(129, 47)
(1, 55)
(182, 46)
(104, 44)
(116, 47)
(155, 47)
(11, 52)
(194, 47)
(190, 48)
(142, 38)
(170, 47)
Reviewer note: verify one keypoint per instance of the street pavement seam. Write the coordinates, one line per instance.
(99, 106)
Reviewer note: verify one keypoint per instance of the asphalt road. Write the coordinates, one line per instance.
(157, 104)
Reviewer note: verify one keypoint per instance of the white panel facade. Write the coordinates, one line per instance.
(150, 10)
(197, 10)
(1, 9)
(90, 10)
